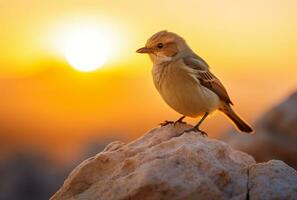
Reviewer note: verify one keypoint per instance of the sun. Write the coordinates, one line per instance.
(87, 48)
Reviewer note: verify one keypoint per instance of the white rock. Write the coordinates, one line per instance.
(166, 165)
(161, 166)
(272, 180)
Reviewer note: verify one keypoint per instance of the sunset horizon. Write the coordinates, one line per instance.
(70, 76)
(246, 52)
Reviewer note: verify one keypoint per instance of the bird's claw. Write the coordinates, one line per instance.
(203, 133)
(195, 129)
(166, 122)
(178, 121)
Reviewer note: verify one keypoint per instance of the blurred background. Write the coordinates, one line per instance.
(71, 82)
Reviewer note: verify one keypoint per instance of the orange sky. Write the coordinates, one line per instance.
(45, 103)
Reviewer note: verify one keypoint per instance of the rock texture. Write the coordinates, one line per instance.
(272, 180)
(276, 135)
(166, 165)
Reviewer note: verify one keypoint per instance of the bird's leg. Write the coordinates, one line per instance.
(196, 127)
(166, 122)
(180, 120)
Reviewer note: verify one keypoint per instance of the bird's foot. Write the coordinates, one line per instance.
(195, 129)
(166, 122)
(180, 120)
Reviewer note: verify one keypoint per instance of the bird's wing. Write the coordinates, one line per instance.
(206, 78)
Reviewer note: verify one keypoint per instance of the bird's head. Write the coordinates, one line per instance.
(165, 46)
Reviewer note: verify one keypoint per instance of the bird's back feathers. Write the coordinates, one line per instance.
(206, 78)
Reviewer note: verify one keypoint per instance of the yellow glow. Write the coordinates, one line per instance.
(87, 49)
(248, 44)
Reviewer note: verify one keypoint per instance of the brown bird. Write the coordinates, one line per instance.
(185, 82)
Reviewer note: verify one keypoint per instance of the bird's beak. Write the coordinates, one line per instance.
(144, 50)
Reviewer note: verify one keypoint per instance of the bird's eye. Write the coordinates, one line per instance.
(160, 45)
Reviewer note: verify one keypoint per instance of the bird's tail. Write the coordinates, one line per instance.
(239, 123)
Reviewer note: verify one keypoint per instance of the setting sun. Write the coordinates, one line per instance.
(72, 81)
(87, 48)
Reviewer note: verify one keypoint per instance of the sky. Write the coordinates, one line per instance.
(48, 105)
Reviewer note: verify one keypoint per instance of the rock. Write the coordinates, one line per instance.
(276, 135)
(166, 165)
(161, 166)
(272, 180)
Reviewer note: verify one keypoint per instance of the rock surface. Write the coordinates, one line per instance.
(276, 135)
(164, 165)
(272, 180)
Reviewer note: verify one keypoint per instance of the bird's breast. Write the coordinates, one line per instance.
(182, 91)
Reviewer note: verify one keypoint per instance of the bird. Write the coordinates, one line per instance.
(185, 82)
